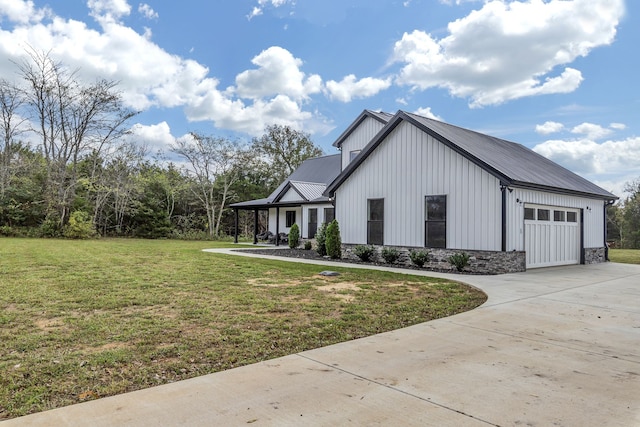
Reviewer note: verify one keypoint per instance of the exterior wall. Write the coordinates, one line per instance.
(593, 209)
(405, 168)
(291, 196)
(359, 138)
(480, 262)
(283, 218)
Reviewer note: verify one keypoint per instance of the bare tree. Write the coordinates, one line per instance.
(213, 166)
(11, 100)
(72, 120)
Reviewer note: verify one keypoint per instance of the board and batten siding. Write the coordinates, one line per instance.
(359, 138)
(291, 196)
(304, 227)
(593, 210)
(407, 166)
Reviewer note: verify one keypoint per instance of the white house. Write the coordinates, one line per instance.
(411, 182)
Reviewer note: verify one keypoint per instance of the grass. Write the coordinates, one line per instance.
(86, 319)
(626, 256)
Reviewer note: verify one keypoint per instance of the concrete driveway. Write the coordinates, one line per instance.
(550, 347)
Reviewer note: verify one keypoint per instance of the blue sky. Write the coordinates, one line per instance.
(559, 76)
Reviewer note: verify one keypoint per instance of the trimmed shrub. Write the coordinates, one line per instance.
(333, 241)
(294, 236)
(390, 255)
(80, 226)
(459, 260)
(365, 253)
(321, 240)
(419, 257)
(307, 245)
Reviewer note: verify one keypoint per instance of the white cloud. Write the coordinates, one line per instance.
(278, 74)
(108, 10)
(256, 11)
(146, 11)
(549, 127)
(349, 88)
(618, 126)
(156, 137)
(591, 131)
(509, 50)
(610, 164)
(22, 12)
(426, 112)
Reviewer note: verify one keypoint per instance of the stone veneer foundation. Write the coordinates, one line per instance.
(480, 262)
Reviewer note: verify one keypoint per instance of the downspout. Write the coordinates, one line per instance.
(503, 189)
(582, 237)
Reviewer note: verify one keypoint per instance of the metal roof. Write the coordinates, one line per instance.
(309, 190)
(514, 164)
(380, 116)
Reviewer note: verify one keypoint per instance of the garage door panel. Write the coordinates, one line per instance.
(551, 242)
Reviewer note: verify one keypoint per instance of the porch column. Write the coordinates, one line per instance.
(278, 226)
(255, 226)
(235, 229)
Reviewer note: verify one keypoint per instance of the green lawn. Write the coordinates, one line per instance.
(87, 319)
(626, 256)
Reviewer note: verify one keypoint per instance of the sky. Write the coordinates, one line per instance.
(558, 76)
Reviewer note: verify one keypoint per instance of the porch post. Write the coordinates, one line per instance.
(255, 226)
(278, 226)
(235, 229)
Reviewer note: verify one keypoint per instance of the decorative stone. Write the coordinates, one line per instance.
(329, 273)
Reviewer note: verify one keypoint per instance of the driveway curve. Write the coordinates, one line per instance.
(550, 347)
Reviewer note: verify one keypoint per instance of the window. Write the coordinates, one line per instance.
(329, 215)
(572, 217)
(558, 216)
(435, 222)
(544, 215)
(313, 223)
(529, 213)
(291, 218)
(375, 222)
(353, 154)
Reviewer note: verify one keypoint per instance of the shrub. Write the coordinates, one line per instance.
(80, 226)
(50, 227)
(390, 255)
(294, 236)
(459, 260)
(333, 242)
(365, 253)
(321, 239)
(307, 245)
(6, 231)
(419, 257)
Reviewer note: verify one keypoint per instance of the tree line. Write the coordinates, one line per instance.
(69, 164)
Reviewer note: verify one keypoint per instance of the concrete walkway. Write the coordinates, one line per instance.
(550, 347)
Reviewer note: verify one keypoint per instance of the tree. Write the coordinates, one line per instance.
(629, 217)
(72, 120)
(284, 150)
(11, 100)
(214, 165)
(333, 241)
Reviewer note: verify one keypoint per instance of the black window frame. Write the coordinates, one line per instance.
(375, 227)
(312, 225)
(327, 215)
(435, 222)
(290, 218)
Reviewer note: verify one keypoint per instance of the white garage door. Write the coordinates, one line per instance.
(552, 236)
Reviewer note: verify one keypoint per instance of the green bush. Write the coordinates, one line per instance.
(307, 245)
(333, 242)
(419, 257)
(459, 260)
(365, 253)
(294, 236)
(50, 227)
(80, 226)
(321, 240)
(390, 255)
(6, 231)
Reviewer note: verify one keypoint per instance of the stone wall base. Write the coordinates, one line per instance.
(594, 255)
(480, 262)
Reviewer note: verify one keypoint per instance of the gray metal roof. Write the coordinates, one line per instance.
(310, 180)
(514, 164)
(380, 116)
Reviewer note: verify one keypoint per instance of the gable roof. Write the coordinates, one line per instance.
(380, 116)
(512, 163)
(309, 180)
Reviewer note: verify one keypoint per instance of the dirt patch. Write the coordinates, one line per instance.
(49, 324)
(276, 284)
(338, 289)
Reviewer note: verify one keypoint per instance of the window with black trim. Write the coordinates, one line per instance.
(313, 223)
(375, 221)
(329, 215)
(435, 227)
(291, 218)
